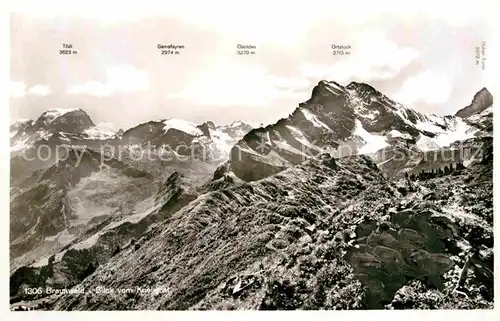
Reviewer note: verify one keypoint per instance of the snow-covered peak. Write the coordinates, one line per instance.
(236, 123)
(333, 87)
(51, 114)
(19, 121)
(182, 125)
(19, 124)
(72, 120)
(240, 123)
(363, 90)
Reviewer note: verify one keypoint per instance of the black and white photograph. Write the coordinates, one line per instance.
(250, 156)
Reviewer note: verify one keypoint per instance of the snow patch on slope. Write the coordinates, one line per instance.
(371, 142)
(272, 158)
(299, 136)
(455, 129)
(20, 121)
(459, 131)
(313, 119)
(425, 143)
(485, 112)
(222, 141)
(98, 132)
(42, 134)
(428, 127)
(54, 113)
(333, 87)
(19, 145)
(285, 146)
(372, 115)
(397, 133)
(238, 123)
(436, 119)
(182, 125)
(401, 112)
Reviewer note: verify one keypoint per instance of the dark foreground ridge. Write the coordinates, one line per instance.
(326, 234)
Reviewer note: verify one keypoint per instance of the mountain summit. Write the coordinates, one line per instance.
(64, 120)
(356, 119)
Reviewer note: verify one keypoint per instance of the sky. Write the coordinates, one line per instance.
(420, 54)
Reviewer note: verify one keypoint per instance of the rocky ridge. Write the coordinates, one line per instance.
(355, 119)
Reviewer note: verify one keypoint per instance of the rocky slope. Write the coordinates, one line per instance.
(325, 234)
(351, 202)
(56, 127)
(101, 239)
(80, 190)
(56, 205)
(481, 101)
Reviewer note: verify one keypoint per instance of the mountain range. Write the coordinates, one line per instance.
(352, 201)
(356, 119)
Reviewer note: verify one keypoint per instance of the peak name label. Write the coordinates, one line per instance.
(67, 49)
(246, 50)
(341, 50)
(170, 49)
